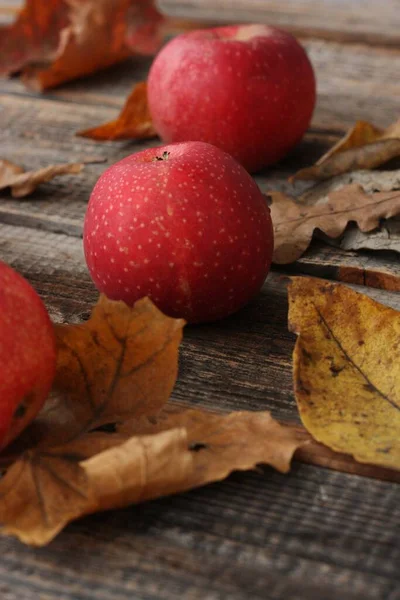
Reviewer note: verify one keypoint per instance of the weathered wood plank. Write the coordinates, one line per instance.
(261, 536)
(378, 270)
(364, 20)
(354, 82)
(265, 536)
(38, 132)
(243, 362)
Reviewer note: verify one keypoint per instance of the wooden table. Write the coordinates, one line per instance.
(314, 534)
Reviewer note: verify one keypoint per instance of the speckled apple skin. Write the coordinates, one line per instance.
(248, 89)
(27, 354)
(193, 232)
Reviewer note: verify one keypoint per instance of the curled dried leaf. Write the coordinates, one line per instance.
(134, 121)
(347, 370)
(363, 147)
(294, 223)
(24, 183)
(223, 443)
(175, 452)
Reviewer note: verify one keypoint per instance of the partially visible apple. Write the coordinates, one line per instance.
(248, 89)
(184, 224)
(27, 354)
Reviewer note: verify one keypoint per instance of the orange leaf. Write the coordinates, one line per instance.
(134, 121)
(53, 42)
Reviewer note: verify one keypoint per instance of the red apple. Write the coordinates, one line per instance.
(248, 89)
(184, 224)
(27, 354)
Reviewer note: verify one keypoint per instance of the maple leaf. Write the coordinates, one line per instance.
(347, 370)
(134, 121)
(23, 183)
(58, 40)
(363, 147)
(295, 222)
(119, 369)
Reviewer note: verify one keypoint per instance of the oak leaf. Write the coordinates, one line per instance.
(53, 41)
(134, 121)
(363, 147)
(294, 222)
(118, 370)
(347, 370)
(23, 183)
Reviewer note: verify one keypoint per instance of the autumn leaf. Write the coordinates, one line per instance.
(122, 362)
(134, 121)
(118, 369)
(221, 443)
(363, 147)
(295, 222)
(58, 40)
(387, 237)
(43, 492)
(347, 370)
(23, 183)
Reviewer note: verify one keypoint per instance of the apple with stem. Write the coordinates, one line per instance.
(27, 354)
(248, 89)
(184, 224)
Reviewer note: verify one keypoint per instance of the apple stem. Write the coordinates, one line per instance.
(164, 156)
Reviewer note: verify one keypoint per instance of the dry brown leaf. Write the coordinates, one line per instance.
(294, 223)
(121, 363)
(174, 453)
(54, 41)
(347, 370)
(134, 121)
(119, 368)
(363, 147)
(24, 183)
(222, 443)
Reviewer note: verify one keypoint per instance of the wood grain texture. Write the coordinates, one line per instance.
(314, 534)
(37, 130)
(257, 535)
(361, 20)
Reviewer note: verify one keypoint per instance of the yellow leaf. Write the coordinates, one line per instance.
(347, 370)
(363, 147)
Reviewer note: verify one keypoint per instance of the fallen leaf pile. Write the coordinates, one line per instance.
(119, 369)
(347, 370)
(363, 147)
(134, 121)
(295, 222)
(23, 183)
(58, 40)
